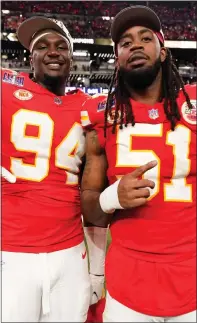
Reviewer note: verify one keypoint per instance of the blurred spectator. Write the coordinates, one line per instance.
(85, 19)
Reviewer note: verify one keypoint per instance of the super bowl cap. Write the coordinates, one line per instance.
(30, 27)
(135, 16)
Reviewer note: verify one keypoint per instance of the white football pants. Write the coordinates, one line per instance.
(45, 287)
(116, 312)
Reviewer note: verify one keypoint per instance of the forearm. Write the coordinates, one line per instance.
(92, 211)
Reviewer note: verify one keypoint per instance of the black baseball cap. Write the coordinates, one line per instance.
(136, 16)
(30, 27)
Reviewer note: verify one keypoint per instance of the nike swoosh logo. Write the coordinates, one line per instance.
(84, 255)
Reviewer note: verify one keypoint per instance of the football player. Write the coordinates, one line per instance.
(142, 140)
(44, 262)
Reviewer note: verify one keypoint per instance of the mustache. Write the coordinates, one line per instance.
(137, 55)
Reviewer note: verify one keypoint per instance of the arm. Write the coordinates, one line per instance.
(126, 193)
(94, 181)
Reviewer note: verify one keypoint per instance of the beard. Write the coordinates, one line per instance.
(142, 77)
(53, 81)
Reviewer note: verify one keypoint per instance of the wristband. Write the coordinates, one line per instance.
(108, 199)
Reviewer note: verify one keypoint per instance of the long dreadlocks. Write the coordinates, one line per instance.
(171, 84)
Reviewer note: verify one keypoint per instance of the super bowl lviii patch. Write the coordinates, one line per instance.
(101, 106)
(13, 79)
(189, 115)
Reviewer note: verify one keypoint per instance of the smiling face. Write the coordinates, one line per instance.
(139, 56)
(51, 58)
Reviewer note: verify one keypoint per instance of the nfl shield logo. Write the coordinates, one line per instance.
(153, 114)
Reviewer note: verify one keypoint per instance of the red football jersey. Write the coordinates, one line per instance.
(42, 145)
(163, 231)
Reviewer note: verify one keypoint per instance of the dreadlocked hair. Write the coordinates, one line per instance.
(171, 85)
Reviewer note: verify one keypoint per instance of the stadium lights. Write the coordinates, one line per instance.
(83, 40)
(12, 37)
(5, 11)
(111, 61)
(106, 18)
(81, 53)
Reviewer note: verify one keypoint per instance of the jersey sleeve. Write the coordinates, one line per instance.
(92, 116)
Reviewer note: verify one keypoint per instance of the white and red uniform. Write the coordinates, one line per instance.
(151, 263)
(42, 145)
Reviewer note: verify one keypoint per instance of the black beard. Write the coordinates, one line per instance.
(53, 82)
(140, 78)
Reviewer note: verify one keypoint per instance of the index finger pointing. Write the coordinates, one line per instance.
(144, 168)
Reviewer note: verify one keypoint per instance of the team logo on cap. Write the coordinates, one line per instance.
(189, 115)
(23, 95)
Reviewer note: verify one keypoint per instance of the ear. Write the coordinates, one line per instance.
(163, 54)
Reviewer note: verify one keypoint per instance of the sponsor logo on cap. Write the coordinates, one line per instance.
(13, 78)
(189, 115)
(23, 95)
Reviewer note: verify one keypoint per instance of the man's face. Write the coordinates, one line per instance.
(139, 56)
(51, 58)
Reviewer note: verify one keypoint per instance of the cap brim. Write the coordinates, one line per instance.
(31, 26)
(134, 16)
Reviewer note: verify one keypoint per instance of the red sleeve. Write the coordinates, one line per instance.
(92, 116)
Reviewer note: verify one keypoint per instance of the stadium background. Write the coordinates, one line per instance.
(89, 25)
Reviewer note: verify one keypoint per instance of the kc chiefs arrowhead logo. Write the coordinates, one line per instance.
(23, 95)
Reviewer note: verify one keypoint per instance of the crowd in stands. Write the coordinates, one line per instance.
(84, 19)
